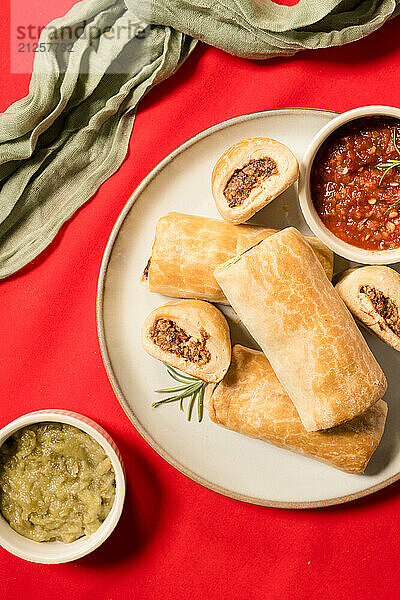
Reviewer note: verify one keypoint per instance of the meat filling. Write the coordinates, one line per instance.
(146, 269)
(169, 337)
(243, 180)
(384, 306)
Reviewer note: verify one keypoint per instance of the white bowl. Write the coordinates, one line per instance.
(370, 257)
(60, 552)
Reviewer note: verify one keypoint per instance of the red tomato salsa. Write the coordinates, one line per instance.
(354, 196)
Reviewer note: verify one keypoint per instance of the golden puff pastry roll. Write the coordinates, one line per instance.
(185, 252)
(250, 400)
(251, 235)
(249, 175)
(187, 248)
(372, 294)
(279, 290)
(192, 336)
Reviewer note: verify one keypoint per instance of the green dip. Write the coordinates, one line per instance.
(56, 482)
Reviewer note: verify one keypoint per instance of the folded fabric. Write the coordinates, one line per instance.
(71, 132)
(261, 28)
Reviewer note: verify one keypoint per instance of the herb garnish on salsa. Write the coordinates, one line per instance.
(356, 196)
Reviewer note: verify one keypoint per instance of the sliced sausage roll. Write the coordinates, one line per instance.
(249, 175)
(250, 400)
(192, 336)
(372, 294)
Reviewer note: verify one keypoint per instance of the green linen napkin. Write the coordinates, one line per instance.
(71, 132)
(261, 29)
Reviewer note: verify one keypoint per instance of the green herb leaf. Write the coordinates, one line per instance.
(389, 168)
(191, 387)
(192, 399)
(200, 405)
(392, 206)
(169, 390)
(178, 376)
(389, 163)
(395, 141)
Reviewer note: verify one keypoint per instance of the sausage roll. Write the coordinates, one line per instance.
(372, 294)
(251, 235)
(192, 336)
(249, 175)
(280, 292)
(187, 248)
(250, 400)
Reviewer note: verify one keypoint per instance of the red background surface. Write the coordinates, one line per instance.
(177, 540)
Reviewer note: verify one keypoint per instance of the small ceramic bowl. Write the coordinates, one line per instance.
(60, 552)
(370, 257)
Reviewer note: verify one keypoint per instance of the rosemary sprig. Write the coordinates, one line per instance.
(395, 141)
(390, 164)
(392, 205)
(191, 388)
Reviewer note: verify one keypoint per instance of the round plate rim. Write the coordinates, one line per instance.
(107, 362)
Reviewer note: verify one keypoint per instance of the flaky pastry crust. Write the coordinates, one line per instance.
(281, 294)
(187, 248)
(250, 400)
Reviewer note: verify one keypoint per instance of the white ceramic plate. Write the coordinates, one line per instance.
(221, 460)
